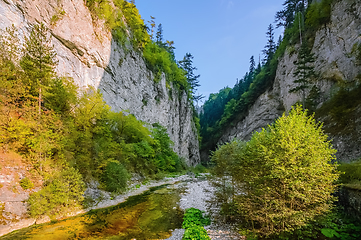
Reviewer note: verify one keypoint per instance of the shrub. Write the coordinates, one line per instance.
(115, 177)
(193, 222)
(64, 191)
(194, 217)
(26, 183)
(284, 176)
(195, 233)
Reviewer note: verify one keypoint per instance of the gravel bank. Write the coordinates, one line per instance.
(196, 194)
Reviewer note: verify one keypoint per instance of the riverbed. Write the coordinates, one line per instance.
(156, 213)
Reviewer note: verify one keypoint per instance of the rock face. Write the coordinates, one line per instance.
(335, 63)
(87, 53)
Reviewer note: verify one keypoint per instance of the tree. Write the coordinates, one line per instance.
(252, 66)
(39, 60)
(286, 16)
(152, 25)
(159, 35)
(59, 195)
(304, 71)
(283, 177)
(187, 65)
(270, 47)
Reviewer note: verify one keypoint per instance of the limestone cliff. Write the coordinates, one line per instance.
(335, 65)
(87, 53)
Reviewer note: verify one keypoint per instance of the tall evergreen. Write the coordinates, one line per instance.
(252, 66)
(187, 65)
(304, 71)
(159, 35)
(38, 60)
(286, 16)
(270, 47)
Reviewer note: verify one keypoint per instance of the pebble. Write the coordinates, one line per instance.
(196, 194)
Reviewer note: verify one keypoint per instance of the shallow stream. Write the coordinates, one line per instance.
(150, 215)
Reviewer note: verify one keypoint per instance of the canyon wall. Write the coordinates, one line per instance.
(336, 65)
(87, 53)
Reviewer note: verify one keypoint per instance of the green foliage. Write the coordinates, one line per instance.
(285, 174)
(194, 222)
(334, 225)
(115, 177)
(26, 183)
(356, 51)
(159, 56)
(160, 60)
(75, 136)
(304, 72)
(351, 174)
(61, 95)
(318, 14)
(165, 158)
(340, 110)
(195, 233)
(62, 192)
(187, 65)
(57, 16)
(194, 216)
(38, 60)
(232, 104)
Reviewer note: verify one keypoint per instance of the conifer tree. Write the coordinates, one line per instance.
(304, 71)
(286, 17)
(39, 60)
(252, 66)
(187, 65)
(270, 47)
(159, 35)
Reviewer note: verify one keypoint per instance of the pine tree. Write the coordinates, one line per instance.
(187, 65)
(286, 17)
(270, 47)
(304, 71)
(159, 35)
(252, 66)
(39, 60)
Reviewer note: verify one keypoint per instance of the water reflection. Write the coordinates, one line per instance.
(150, 215)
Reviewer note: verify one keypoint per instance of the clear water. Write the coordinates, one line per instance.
(151, 215)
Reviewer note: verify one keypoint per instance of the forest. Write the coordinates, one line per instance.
(230, 105)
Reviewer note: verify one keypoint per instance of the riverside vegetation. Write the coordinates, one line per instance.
(66, 135)
(280, 184)
(260, 187)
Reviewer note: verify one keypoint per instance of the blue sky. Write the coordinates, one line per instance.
(222, 35)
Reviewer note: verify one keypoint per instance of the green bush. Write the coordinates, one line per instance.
(194, 222)
(115, 177)
(285, 174)
(26, 183)
(318, 14)
(196, 233)
(194, 217)
(59, 194)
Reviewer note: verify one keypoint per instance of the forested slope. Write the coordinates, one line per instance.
(317, 73)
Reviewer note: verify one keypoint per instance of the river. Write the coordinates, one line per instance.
(150, 215)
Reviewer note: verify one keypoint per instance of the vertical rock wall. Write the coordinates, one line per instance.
(335, 63)
(87, 53)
